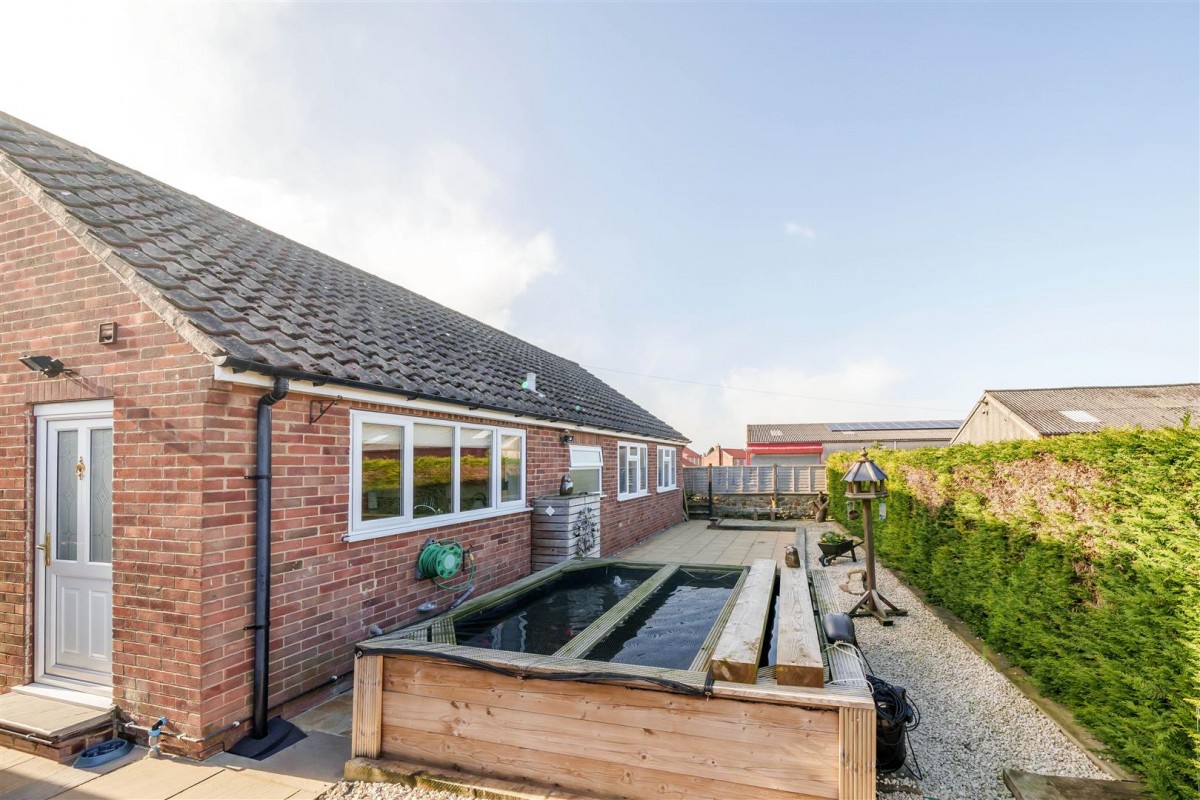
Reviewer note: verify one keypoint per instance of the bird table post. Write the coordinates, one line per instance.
(865, 481)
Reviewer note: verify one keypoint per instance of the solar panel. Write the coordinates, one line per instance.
(904, 425)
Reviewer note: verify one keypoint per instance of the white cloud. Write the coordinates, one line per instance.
(194, 94)
(796, 229)
(849, 391)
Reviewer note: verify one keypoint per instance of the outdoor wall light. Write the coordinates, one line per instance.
(567, 438)
(46, 365)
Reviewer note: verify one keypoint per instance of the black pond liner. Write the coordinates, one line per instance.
(550, 615)
(668, 628)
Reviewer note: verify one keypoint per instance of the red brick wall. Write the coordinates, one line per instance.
(53, 296)
(183, 510)
(326, 592)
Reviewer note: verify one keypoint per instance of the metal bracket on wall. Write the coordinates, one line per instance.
(317, 409)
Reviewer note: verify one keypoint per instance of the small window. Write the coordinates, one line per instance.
(587, 464)
(667, 468)
(632, 468)
(512, 467)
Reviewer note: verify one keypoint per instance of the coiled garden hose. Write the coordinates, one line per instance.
(441, 560)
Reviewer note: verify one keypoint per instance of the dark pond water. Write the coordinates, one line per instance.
(550, 615)
(668, 629)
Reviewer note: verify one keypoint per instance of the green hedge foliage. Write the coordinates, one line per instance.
(1078, 557)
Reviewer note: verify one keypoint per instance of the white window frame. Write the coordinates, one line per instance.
(636, 458)
(598, 466)
(668, 479)
(359, 529)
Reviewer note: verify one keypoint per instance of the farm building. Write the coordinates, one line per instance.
(186, 397)
(1001, 415)
(810, 443)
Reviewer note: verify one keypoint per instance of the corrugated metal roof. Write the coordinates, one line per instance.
(1054, 412)
(820, 432)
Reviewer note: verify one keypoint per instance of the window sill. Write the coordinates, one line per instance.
(429, 523)
(623, 497)
(666, 489)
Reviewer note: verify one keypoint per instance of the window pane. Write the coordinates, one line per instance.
(67, 497)
(643, 468)
(586, 480)
(662, 467)
(586, 456)
(433, 452)
(512, 471)
(382, 471)
(623, 470)
(100, 501)
(474, 469)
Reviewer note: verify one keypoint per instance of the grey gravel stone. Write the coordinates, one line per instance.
(974, 722)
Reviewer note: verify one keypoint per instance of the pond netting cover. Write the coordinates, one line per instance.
(668, 629)
(550, 615)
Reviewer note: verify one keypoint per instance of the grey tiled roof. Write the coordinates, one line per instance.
(267, 303)
(1111, 406)
(821, 432)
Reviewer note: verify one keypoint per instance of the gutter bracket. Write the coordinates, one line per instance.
(317, 409)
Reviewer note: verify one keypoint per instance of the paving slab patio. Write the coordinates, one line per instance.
(695, 542)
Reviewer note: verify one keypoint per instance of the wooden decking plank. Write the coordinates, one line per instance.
(798, 661)
(1031, 786)
(739, 647)
(704, 656)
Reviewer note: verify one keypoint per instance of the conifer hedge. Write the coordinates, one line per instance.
(1078, 557)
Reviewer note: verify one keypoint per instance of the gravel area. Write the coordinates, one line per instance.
(383, 791)
(974, 723)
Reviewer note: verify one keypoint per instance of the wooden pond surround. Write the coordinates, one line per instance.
(725, 728)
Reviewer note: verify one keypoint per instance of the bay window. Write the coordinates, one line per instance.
(408, 473)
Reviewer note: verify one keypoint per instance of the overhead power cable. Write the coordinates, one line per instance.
(776, 394)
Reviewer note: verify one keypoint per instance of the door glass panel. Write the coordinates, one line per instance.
(66, 496)
(100, 487)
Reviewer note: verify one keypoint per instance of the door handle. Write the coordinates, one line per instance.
(45, 548)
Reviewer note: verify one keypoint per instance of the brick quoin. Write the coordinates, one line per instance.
(183, 511)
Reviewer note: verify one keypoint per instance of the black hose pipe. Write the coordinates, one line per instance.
(262, 556)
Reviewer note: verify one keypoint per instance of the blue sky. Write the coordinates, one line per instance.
(863, 211)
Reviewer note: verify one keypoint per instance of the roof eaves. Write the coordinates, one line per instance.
(243, 365)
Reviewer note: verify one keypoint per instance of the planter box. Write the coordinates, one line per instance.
(555, 529)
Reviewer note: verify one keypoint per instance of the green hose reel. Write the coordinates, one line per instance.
(441, 560)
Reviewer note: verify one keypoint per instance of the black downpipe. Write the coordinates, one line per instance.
(262, 555)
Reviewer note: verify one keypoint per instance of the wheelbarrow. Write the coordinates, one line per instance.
(833, 550)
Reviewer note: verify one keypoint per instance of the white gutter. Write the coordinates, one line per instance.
(300, 386)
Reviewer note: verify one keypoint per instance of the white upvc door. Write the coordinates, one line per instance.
(75, 543)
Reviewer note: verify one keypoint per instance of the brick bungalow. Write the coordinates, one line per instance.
(146, 338)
